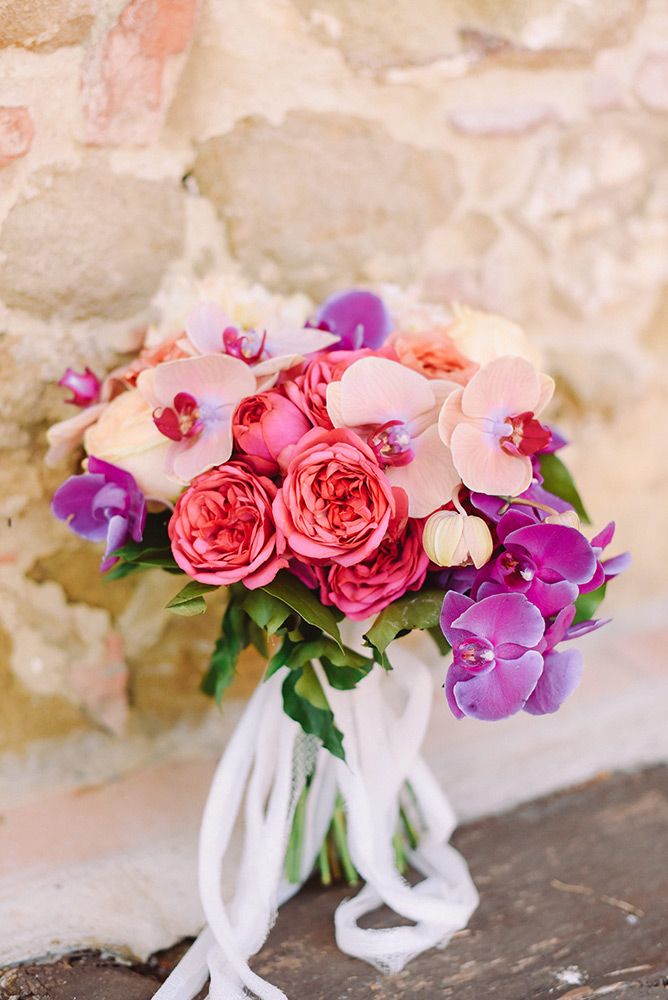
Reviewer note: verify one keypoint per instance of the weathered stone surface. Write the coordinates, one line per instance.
(592, 204)
(25, 716)
(373, 35)
(16, 133)
(319, 197)
(509, 119)
(45, 25)
(122, 77)
(651, 81)
(90, 243)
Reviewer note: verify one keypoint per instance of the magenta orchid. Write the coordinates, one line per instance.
(85, 387)
(496, 665)
(194, 401)
(491, 426)
(394, 410)
(102, 504)
(357, 317)
(267, 350)
(546, 562)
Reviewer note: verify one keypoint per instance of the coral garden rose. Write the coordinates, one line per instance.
(266, 428)
(335, 503)
(367, 587)
(222, 529)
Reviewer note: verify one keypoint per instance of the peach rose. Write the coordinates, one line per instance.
(222, 529)
(335, 503)
(435, 355)
(125, 435)
(124, 377)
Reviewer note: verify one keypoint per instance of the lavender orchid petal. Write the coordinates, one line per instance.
(559, 679)
(358, 318)
(561, 549)
(501, 693)
(504, 618)
(73, 502)
(582, 628)
(103, 503)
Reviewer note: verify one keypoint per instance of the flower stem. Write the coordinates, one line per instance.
(293, 853)
(323, 864)
(341, 840)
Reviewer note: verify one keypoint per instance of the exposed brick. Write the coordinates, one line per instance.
(16, 133)
(123, 73)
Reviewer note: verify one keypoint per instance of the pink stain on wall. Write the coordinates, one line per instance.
(16, 133)
(122, 76)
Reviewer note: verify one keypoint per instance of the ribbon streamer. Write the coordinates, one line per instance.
(259, 780)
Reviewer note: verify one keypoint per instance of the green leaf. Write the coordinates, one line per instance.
(188, 609)
(344, 676)
(586, 604)
(123, 569)
(305, 702)
(190, 599)
(266, 611)
(287, 588)
(259, 639)
(442, 643)
(282, 655)
(558, 480)
(419, 610)
(233, 639)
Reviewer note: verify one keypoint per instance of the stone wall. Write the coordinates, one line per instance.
(511, 156)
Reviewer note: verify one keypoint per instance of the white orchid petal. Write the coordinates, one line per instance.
(375, 390)
(430, 478)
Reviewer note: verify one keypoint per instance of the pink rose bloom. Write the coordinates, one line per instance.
(266, 427)
(400, 564)
(335, 504)
(308, 389)
(222, 529)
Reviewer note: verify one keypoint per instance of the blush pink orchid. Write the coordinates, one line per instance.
(491, 428)
(194, 401)
(268, 350)
(395, 411)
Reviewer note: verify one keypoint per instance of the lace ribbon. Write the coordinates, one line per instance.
(259, 780)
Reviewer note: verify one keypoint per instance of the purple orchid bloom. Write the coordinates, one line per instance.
(496, 664)
(357, 317)
(104, 503)
(609, 568)
(561, 671)
(546, 562)
(85, 387)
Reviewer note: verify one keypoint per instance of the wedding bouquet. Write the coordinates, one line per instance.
(359, 462)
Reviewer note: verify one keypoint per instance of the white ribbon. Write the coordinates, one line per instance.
(263, 772)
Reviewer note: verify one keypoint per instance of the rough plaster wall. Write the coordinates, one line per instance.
(512, 156)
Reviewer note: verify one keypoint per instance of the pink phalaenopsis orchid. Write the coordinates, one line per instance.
(194, 400)
(491, 426)
(268, 350)
(395, 410)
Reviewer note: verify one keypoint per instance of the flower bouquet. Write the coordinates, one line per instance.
(349, 473)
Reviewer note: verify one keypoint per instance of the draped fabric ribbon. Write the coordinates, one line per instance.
(259, 780)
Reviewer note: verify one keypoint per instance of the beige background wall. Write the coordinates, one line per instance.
(512, 155)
